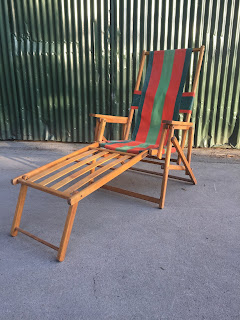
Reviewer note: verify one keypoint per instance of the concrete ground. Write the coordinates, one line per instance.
(126, 258)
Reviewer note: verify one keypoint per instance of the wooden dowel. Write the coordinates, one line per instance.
(131, 193)
(37, 239)
(43, 188)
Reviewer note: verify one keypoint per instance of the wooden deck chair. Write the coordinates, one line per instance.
(75, 176)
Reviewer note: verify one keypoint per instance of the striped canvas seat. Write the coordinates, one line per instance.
(161, 98)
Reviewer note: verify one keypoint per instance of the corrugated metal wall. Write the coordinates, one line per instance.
(61, 60)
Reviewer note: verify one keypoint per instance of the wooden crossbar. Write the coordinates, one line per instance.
(131, 193)
(36, 238)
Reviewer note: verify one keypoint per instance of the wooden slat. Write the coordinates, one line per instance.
(119, 152)
(175, 167)
(51, 164)
(79, 173)
(131, 193)
(37, 239)
(96, 185)
(71, 168)
(180, 123)
(95, 174)
(60, 165)
(43, 188)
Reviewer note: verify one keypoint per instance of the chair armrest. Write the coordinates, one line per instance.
(178, 124)
(109, 118)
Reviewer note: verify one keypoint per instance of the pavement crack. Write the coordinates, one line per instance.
(94, 288)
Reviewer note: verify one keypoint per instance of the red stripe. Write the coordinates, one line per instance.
(118, 145)
(137, 92)
(185, 111)
(171, 95)
(134, 107)
(150, 95)
(188, 94)
(136, 150)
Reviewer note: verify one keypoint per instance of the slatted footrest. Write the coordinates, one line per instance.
(77, 175)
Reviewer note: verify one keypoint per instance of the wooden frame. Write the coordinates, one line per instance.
(97, 166)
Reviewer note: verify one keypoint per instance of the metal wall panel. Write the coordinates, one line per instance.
(61, 60)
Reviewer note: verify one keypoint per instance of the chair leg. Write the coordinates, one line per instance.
(18, 211)
(166, 169)
(67, 232)
(96, 130)
(184, 160)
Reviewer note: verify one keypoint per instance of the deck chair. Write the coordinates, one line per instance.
(77, 175)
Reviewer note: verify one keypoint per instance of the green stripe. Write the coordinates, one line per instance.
(156, 117)
(140, 145)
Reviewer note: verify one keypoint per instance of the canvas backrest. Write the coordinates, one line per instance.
(161, 95)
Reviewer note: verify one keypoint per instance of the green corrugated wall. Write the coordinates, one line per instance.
(61, 60)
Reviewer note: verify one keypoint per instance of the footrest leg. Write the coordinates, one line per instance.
(67, 232)
(18, 211)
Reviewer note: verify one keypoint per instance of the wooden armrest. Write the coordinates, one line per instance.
(109, 118)
(178, 124)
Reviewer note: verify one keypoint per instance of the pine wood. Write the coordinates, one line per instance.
(131, 112)
(184, 160)
(162, 141)
(60, 165)
(96, 129)
(67, 232)
(109, 118)
(111, 175)
(184, 134)
(190, 143)
(166, 169)
(18, 211)
(95, 174)
(101, 130)
(49, 190)
(131, 193)
(71, 168)
(81, 172)
(37, 239)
